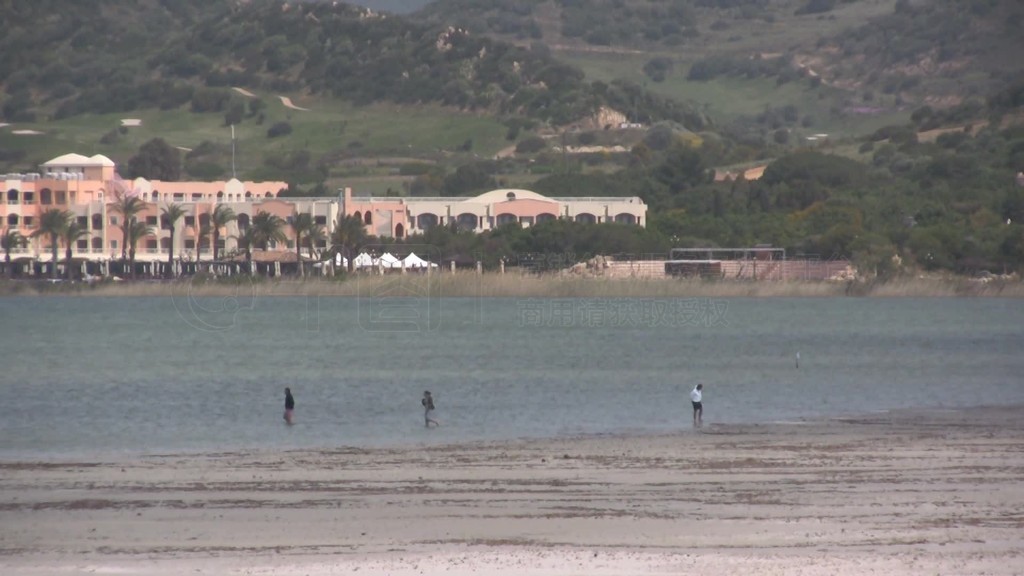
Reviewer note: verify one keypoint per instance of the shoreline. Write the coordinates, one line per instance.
(472, 285)
(905, 491)
(625, 435)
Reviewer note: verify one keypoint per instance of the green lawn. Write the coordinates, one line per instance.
(328, 126)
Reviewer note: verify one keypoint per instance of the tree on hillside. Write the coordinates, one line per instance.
(155, 160)
(682, 168)
(469, 178)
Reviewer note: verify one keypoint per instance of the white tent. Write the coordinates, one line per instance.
(364, 261)
(414, 261)
(388, 260)
(340, 260)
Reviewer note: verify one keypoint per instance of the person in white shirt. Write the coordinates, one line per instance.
(698, 408)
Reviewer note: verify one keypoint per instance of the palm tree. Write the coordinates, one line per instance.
(70, 234)
(52, 223)
(220, 217)
(267, 227)
(10, 240)
(246, 239)
(127, 207)
(314, 236)
(137, 231)
(172, 213)
(202, 231)
(348, 237)
(301, 224)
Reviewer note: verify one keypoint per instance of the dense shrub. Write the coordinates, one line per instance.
(279, 129)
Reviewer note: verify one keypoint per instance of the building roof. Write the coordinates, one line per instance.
(73, 159)
(503, 194)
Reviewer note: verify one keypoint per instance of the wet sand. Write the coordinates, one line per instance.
(909, 492)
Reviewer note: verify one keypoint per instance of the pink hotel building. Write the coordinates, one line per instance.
(87, 186)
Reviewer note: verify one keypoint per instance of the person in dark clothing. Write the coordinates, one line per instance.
(428, 409)
(289, 405)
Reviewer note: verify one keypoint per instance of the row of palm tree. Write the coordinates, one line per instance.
(59, 225)
(10, 240)
(348, 237)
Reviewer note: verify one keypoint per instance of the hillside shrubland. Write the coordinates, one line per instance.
(933, 187)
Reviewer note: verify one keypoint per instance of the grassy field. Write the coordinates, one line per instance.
(726, 98)
(329, 126)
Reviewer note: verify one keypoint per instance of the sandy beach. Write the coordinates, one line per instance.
(909, 492)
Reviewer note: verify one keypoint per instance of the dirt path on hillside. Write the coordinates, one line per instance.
(288, 104)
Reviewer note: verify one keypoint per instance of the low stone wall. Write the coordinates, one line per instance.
(731, 269)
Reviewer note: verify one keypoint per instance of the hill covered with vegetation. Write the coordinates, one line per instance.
(887, 131)
(165, 54)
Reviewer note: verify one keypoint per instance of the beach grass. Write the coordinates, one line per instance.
(515, 285)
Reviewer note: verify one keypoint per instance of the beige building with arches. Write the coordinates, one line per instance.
(88, 187)
(400, 217)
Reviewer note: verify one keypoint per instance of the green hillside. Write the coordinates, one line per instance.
(844, 58)
(886, 131)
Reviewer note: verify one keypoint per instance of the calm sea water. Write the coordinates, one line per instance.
(103, 377)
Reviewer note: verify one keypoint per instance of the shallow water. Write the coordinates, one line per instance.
(89, 377)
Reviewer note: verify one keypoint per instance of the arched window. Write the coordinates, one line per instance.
(46, 196)
(97, 222)
(467, 221)
(625, 218)
(399, 231)
(359, 215)
(268, 195)
(220, 195)
(242, 221)
(586, 218)
(506, 218)
(12, 219)
(426, 221)
(248, 195)
(545, 217)
(12, 196)
(97, 244)
(367, 219)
